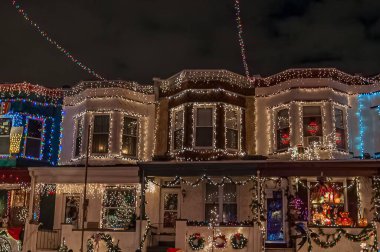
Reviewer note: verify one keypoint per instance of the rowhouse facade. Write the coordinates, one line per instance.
(208, 160)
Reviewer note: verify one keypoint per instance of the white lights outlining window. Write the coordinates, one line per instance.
(282, 128)
(233, 124)
(340, 128)
(100, 134)
(313, 128)
(204, 126)
(34, 138)
(130, 136)
(78, 136)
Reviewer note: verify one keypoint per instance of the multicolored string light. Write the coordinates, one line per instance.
(44, 34)
(240, 36)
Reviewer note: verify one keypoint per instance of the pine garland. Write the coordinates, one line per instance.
(104, 237)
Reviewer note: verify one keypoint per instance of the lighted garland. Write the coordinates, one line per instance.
(104, 237)
(219, 241)
(376, 197)
(238, 241)
(196, 241)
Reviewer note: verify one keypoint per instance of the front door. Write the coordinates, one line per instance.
(170, 209)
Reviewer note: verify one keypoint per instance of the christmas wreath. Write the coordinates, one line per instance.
(238, 241)
(96, 238)
(220, 241)
(196, 241)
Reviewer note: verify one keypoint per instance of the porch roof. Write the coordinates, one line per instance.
(267, 168)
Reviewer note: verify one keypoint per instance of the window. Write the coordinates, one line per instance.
(78, 136)
(340, 136)
(220, 203)
(282, 129)
(33, 142)
(5, 131)
(232, 129)
(119, 207)
(130, 137)
(312, 124)
(178, 130)
(72, 203)
(100, 134)
(204, 130)
(275, 216)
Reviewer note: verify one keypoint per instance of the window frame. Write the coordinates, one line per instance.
(7, 136)
(239, 126)
(174, 130)
(137, 136)
(221, 202)
(195, 118)
(345, 125)
(103, 222)
(109, 133)
(277, 128)
(41, 139)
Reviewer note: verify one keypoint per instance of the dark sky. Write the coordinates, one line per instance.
(141, 39)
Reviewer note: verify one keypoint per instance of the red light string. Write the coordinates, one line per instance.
(44, 34)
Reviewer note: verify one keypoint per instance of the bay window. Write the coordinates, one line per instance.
(178, 130)
(100, 135)
(204, 129)
(5, 131)
(33, 138)
(312, 125)
(220, 203)
(119, 207)
(282, 130)
(232, 129)
(130, 136)
(340, 134)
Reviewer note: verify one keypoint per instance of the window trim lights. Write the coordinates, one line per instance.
(42, 139)
(275, 127)
(195, 110)
(137, 136)
(110, 126)
(174, 111)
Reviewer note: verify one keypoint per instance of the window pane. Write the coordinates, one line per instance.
(5, 126)
(311, 111)
(232, 119)
(129, 146)
(33, 147)
(101, 124)
(229, 212)
(169, 219)
(339, 118)
(275, 217)
(283, 119)
(178, 139)
(178, 120)
(130, 126)
(100, 143)
(212, 193)
(204, 136)
(78, 142)
(340, 139)
(232, 139)
(312, 126)
(171, 201)
(211, 210)
(283, 138)
(204, 117)
(229, 193)
(34, 128)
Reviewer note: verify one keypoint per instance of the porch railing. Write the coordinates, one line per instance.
(48, 239)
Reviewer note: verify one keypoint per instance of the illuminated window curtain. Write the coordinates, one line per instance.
(178, 131)
(340, 134)
(204, 127)
(282, 130)
(5, 130)
(100, 134)
(78, 136)
(33, 138)
(130, 137)
(232, 129)
(119, 207)
(312, 125)
(221, 201)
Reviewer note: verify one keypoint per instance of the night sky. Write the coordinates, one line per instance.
(141, 39)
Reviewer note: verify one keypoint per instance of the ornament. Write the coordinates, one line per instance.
(344, 220)
(285, 138)
(220, 241)
(312, 128)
